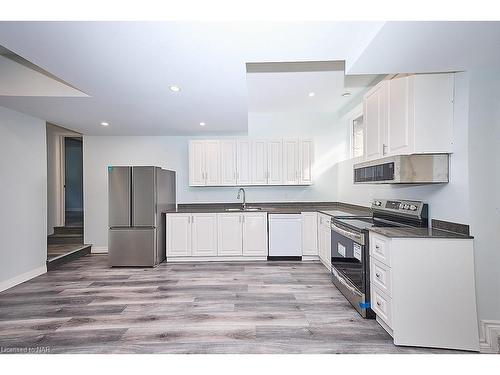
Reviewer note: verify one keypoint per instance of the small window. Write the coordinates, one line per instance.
(357, 134)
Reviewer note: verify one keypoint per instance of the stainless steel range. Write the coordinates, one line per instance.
(349, 254)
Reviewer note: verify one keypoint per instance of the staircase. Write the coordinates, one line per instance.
(65, 245)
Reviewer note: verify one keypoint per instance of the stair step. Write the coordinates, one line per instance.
(68, 238)
(68, 230)
(65, 258)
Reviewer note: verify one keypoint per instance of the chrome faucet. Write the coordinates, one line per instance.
(244, 205)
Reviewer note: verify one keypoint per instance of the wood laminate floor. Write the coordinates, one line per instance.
(257, 307)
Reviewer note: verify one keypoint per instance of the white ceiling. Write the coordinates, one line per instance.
(289, 91)
(127, 67)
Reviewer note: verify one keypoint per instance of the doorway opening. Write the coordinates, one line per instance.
(65, 211)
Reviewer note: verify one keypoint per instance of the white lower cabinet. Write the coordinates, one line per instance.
(423, 291)
(324, 240)
(191, 234)
(204, 234)
(178, 235)
(216, 234)
(309, 233)
(255, 234)
(242, 234)
(230, 235)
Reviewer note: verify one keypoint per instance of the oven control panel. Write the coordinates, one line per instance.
(401, 206)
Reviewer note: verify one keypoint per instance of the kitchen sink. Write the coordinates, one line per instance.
(247, 209)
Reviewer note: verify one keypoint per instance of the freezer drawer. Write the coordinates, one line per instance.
(132, 247)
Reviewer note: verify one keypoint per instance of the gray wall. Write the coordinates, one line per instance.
(23, 196)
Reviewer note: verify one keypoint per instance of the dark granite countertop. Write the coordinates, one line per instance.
(409, 232)
(275, 208)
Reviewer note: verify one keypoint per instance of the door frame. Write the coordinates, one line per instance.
(62, 175)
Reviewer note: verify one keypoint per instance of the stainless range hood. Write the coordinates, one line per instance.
(404, 169)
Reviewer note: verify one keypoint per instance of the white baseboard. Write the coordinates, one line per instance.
(99, 250)
(215, 259)
(489, 332)
(7, 284)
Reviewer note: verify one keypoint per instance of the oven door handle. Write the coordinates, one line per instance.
(345, 283)
(356, 237)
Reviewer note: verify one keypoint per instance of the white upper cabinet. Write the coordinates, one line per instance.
(290, 162)
(275, 162)
(410, 114)
(306, 161)
(259, 162)
(197, 163)
(245, 161)
(375, 119)
(228, 162)
(212, 162)
(399, 119)
(204, 163)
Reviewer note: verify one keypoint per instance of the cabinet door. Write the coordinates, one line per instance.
(325, 247)
(306, 160)
(255, 234)
(228, 162)
(229, 239)
(178, 235)
(196, 163)
(259, 162)
(375, 121)
(275, 162)
(398, 116)
(243, 162)
(309, 233)
(204, 234)
(212, 162)
(290, 162)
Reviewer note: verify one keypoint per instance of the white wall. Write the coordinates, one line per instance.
(172, 153)
(472, 195)
(484, 177)
(23, 197)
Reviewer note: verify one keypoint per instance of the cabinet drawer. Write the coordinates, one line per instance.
(380, 276)
(382, 305)
(380, 249)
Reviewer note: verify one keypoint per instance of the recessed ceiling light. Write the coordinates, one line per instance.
(104, 123)
(202, 124)
(345, 94)
(175, 88)
(311, 94)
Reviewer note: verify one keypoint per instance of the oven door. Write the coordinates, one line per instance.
(349, 268)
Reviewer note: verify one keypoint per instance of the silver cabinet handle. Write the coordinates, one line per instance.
(189, 219)
(192, 219)
(384, 149)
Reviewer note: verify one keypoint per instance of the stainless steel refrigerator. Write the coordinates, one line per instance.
(137, 198)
